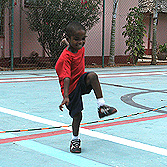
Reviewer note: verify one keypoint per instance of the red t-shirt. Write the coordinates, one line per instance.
(70, 65)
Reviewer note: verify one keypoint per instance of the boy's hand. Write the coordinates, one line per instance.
(65, 101)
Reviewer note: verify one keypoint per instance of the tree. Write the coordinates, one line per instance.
(134, 31)
(3, 4)
(112, 41)
(49, 19)
(154, 44)
(2, 7)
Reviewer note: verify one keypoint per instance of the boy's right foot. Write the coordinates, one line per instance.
(106, 111)
(75, 146)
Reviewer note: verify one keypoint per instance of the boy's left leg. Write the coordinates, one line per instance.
(76, 123)
(103, 110)
(75, 142)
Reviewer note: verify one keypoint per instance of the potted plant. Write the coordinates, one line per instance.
(162, 52)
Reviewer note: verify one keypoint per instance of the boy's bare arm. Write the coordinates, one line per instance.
(66, 91)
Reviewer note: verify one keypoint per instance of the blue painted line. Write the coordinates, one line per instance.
(58, 154)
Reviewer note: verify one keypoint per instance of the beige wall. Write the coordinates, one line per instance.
(161, 29)
(94, 46)
(29, 39)
(5, 41)
(1, 47)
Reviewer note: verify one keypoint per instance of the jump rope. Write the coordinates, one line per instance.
(87, 123)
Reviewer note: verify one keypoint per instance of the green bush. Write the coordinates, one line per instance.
(163, 48)
(49, 19)
(134, 31)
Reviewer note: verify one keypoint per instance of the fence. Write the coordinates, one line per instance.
(21, 47)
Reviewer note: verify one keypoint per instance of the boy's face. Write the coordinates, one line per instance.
(77, 40)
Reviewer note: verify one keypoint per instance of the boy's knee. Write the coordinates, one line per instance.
(92, 76)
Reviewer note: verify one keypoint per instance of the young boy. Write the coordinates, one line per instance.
(75, 82)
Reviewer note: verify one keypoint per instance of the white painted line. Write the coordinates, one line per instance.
(32, 79)
(99, 135)
(126, 142)
(130, 74)
(56, 153)
(27, 79)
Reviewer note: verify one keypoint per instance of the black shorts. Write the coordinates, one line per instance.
(76, 104)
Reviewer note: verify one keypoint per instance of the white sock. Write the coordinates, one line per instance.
(75, 137)
(100, 102)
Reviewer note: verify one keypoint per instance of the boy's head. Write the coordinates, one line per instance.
(76, 35)
(72, 28)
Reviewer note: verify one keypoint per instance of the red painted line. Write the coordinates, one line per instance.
(34, 136)
(112, 75)
(125, 122)
(150, 72)
(41, 135)
(126, 76)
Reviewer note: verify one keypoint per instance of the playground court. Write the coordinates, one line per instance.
(35, 133)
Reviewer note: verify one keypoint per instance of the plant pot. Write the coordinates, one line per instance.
(162, 56)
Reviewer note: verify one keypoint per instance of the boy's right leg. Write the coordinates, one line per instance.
(92, 79)
(103, 110)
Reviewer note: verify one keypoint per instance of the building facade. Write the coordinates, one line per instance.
(25, 40)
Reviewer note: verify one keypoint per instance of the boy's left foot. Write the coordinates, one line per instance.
(75, 146)
(106, 111)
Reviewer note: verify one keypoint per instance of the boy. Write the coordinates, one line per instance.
(75, 82)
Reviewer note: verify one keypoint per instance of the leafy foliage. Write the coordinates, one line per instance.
(134, 31)
(50, 17)
(163, 48)
(3, 4)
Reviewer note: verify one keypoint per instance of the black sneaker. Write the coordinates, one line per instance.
(105, 111)
(75, 146)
